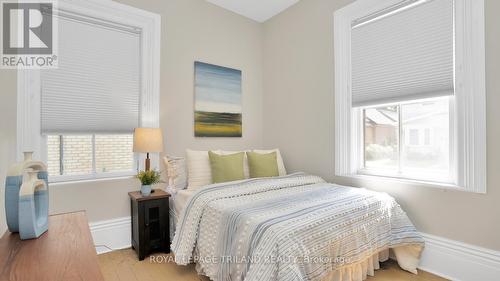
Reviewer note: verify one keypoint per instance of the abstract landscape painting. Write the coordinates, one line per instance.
(217, 101)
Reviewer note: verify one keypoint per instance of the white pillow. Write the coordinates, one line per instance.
(281, 165)
(199, 171)
(176, 172)
(246, 171)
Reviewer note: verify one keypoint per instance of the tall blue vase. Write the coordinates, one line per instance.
(33, 206)
(26, 213)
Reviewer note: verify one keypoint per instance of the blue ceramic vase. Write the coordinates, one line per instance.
(27, 198)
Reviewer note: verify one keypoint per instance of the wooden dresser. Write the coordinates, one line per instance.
(65, 252)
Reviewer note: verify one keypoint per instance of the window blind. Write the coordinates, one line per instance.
(96, 88)
(404, 54)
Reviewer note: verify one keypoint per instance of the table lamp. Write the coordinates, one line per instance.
(148, 140)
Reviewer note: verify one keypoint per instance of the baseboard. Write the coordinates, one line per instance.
(459, 261)
(444, 257)
(111, 235)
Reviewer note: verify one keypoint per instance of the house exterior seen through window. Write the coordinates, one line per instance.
(409, 139)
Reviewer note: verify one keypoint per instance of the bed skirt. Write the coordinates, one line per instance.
(353, 272)
(359, 271)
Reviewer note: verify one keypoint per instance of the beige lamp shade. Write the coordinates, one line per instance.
(148, 140)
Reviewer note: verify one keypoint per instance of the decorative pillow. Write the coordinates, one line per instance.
(176, 172)
(226, 167)
(245, 160)
(263, 165)
(281, 165)
(199, 172)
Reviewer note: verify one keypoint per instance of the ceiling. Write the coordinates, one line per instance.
(258, 10)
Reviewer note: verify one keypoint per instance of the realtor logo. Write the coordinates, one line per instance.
(28, 33)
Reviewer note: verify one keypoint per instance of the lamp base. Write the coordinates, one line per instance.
(147, 165)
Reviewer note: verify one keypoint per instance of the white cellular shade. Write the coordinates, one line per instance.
(96, 88)
(405, 55)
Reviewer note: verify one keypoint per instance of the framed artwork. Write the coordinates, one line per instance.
(217, 101)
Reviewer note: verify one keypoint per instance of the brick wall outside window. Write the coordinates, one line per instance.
(112, 153)
(53, 156)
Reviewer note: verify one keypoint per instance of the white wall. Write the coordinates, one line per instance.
(299, 118)
(191, 30)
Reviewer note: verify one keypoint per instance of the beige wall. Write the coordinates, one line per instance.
(7, 133)
(191, 30)
(299, 118)
(197, 30)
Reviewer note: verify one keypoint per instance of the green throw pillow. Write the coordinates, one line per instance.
(263, 165)
(226, 167)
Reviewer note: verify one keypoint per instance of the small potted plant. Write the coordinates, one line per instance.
(148, 178)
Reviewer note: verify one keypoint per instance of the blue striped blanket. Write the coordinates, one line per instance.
(295, 227)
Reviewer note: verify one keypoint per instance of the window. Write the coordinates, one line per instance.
(410, 92)
(94, 155)
(80, 117)
(92, 83)
(397, 140)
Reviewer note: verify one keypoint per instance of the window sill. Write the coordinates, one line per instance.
(418, 176)
(61, 182)
(364, 179)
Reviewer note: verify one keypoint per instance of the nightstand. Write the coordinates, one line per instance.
(150, 225)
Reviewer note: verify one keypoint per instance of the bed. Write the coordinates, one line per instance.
(294, 227)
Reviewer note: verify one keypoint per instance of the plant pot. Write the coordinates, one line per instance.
(146, 190)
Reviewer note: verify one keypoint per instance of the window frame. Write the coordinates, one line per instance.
(469, 102)
(29, 137)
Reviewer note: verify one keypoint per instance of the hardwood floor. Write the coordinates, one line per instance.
(123, 265)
